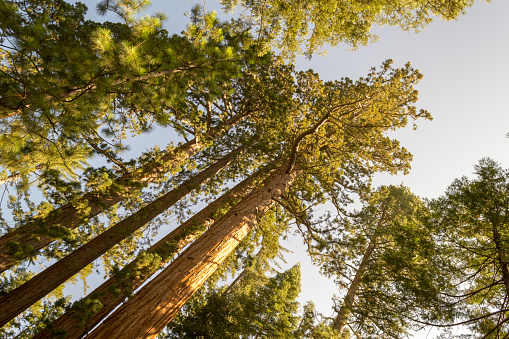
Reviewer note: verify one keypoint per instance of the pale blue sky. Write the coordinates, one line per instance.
(465, 87)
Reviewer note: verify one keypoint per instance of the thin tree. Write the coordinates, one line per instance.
(384, 253)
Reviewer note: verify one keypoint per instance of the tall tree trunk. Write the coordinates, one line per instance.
(31, 237)
(43, 283)
(74, 323)
(344, 312)
(150, 310)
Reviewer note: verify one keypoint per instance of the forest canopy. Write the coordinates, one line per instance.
(184, 240)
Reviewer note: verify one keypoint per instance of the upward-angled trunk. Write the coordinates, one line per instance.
(30, 238)
(43, 283)
(76, 325)
(345, 310)
(150, 310)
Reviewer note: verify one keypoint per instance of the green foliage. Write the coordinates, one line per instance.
(79, 77)
(312, 325)
(255, 306)
(40, 315)
(389, 248)
(297, 27)
(472, 220)
(18, 251)
(85, 308)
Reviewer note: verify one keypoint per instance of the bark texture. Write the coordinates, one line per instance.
(43, 283)
(152, 308)
(70, 322)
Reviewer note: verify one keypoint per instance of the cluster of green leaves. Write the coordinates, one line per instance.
(297, 27)
(472, 221)
(254, 306)
(65, 78)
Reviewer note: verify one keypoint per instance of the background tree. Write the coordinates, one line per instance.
(252, 306)
(472, 217)
(384, 256)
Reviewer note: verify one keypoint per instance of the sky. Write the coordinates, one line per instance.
(465, 88)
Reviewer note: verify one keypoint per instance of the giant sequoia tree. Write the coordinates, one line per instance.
(341, 127)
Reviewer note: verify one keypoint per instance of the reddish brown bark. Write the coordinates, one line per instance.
(70, 217)
(70, 321)
(148, 312)
(43, 283)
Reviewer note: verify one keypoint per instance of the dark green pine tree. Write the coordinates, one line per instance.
(65, 79)
(472, 220)
(252, 306)
(383, 255)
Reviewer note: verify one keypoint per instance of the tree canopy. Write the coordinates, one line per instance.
(253, 146)
(472, 220)
(305, 27)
